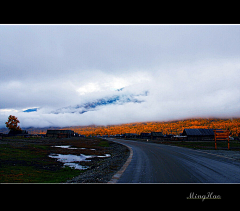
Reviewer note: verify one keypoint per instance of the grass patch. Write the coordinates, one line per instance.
(103, 144)
(27, 160)
(30, 174)
(209, 145)
(31, 164)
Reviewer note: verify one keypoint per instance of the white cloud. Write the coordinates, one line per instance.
(188, 71)
(206, 90)
(90, 87)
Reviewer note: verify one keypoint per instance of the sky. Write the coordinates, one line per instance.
(188, 71)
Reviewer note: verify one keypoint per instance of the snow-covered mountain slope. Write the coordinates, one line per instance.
(118, 99)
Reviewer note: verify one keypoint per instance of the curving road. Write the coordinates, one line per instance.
(158, 163)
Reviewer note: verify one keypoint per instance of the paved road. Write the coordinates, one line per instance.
(158, 163)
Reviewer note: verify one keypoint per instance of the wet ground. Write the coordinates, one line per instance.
(44, 159)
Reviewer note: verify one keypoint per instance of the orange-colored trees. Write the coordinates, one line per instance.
(173, 127)
(12, 123)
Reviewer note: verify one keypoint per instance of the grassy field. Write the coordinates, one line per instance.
(209, 145)
(27, 161)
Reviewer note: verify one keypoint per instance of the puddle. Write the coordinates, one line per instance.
(69, 147)
(104, 156)
(70, 160)
(65, 147)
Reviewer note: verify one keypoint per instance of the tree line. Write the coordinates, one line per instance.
(169, 127)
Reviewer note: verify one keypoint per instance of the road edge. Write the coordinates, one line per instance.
(202, 151)
(117, 175)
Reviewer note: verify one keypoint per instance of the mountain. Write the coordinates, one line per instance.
(119, 99)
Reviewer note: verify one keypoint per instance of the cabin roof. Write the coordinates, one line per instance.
(199, 132)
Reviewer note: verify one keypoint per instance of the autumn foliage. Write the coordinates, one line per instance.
(170, 127)
(12, 123)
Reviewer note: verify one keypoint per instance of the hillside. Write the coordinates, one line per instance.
(171, 127)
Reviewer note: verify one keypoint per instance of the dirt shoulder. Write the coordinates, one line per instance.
(103, 171)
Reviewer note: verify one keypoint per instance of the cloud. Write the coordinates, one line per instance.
(207, 89)
(187, 71)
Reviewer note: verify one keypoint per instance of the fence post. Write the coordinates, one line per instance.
(228, 139)
(215, 138)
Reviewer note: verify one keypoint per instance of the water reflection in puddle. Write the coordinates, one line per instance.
(65, 147)
(70, 160)
(69, 147)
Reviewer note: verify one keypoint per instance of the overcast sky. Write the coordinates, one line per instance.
(188, 71)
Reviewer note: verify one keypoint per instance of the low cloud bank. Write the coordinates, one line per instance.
(207, 89)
